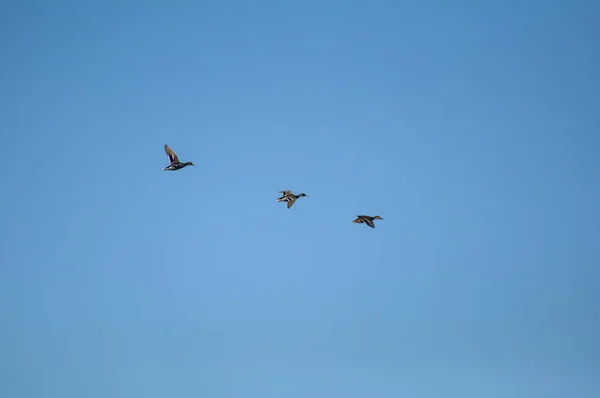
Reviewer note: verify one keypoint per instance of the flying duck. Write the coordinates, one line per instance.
(175, 163)
(367, 220)
(289, 197)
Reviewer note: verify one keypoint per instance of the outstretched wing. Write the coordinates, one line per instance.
(291, 202)
(369, 222)
(172, 155)
(285, 193)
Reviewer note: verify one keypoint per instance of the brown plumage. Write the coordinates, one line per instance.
(367, 220)
(289, 197)
(174, 160)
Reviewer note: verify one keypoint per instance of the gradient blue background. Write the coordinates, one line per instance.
(472, 128)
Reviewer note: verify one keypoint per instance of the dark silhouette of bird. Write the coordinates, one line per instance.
(175, 163)
(367, 220)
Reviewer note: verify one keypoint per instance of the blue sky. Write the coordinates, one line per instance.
(472, 129)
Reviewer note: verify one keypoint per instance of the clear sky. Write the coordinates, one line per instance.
(472, 128)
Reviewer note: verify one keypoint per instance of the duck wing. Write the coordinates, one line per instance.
(369, 222)
(291, 201)
(172, 155)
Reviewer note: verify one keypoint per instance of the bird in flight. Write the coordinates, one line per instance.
(367, 220)
(175, 163)
(289, 197)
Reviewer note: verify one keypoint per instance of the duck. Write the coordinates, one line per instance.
(367, 220)
(175, 163)
(289, 197)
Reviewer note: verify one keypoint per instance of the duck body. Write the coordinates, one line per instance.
(178, 165)
(366, 220)
(174, 160)
(289, 197)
